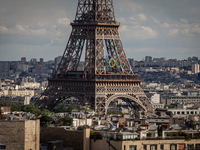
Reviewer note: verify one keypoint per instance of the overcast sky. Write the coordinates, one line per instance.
(157, 28)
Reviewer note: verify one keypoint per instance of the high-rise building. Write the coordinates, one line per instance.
(33, 61)
(131, 60)
(41, 61)
(195, 58)
(0, 84)
(4, 66)
(148, 59)
(195, 68)
(56, 62)
(23, 60)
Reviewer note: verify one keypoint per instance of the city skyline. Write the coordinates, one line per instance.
(159, 29)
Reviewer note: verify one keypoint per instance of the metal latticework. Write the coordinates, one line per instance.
(95, 29)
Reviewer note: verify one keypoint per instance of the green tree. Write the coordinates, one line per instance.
(15, 107)
(32, 109)
(169, 106)
(70, 108)
(45, 120)
(46, 112)
(66, 121)
(60, 108)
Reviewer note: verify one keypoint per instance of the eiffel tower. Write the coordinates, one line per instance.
(95, 29)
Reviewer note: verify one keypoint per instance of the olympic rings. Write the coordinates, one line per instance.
(115, 62)
(110, 62)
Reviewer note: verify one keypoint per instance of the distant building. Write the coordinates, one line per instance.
(4, 66)
(195, 58)
(131, 61)
(56, 62)
(0, 84)
(185, 111)
(23, 60)
(20, 92)
(195, 68)
(155, 98)
(5, 109)
(180, 99)
(22, 67)
(148, 59)
(41, 61)
(20, 134)
(33, 61)
(22, 100)
(28, 80)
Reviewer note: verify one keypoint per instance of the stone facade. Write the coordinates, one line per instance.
(20, 134)
(180, 144)
(20, 92)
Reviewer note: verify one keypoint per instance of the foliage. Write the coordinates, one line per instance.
(14, 107)
(70, 108)
(113, 112)
(169, 106)
(46, 112)
(45, 120)
(27, 108)
(95, 135)
(179, 133)
(187, 68)
(62, 108)
(32, 109)
(66, 121)
(187, 138)
(92, 132)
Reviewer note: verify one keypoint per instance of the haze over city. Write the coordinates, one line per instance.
(40, 29)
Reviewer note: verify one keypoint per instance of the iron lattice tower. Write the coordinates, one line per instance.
(95, 29)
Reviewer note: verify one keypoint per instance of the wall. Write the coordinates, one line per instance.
(125, 145)
(103, 144)
(73, 139)
(12, 134)
(20, 135)
(166, 143)
(32, 136)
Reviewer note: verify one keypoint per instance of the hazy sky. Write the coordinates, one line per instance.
(157, 28)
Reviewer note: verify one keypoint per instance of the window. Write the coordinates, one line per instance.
(144, 147)
(191, 112)
(2, 146)
(153, 147)
(124, 147)
(183, 112)
(190, 146)
(173, 147)
(181, 146)
(161, 147)
(187, 112)
(197, 146)
(178, 112)
(132, 147)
